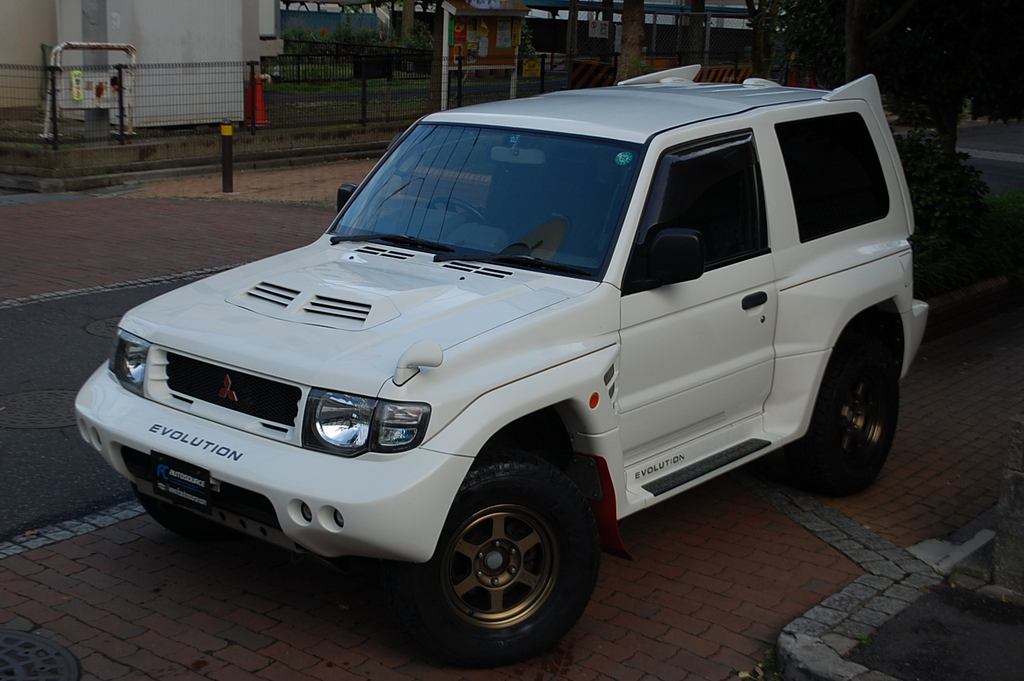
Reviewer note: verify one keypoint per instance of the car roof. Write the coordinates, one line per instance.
(630, 113)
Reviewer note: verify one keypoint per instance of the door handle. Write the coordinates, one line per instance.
(755, 299)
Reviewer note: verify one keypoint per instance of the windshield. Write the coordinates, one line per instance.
(477, 192)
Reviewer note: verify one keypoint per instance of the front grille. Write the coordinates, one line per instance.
(259, 397)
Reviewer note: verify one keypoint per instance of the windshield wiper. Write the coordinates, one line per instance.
(402, 239)
(524, 260)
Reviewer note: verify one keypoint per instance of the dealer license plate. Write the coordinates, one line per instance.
(182, 483)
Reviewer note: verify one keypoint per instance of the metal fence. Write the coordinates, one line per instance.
(313, 86)
(58, 106)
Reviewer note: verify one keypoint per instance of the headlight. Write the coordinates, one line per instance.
(350, 425)
(128, 361)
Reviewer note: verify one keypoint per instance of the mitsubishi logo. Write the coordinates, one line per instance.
(226, 392)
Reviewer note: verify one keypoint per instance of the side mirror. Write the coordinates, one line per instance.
(676, 254)
(345, 192)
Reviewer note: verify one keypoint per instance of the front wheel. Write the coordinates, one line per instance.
(853, 423)
(514, 567)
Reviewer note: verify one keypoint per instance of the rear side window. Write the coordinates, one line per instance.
(834, 173)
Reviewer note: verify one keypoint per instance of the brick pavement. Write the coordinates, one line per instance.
(80, 243)
(718, 571)
(947, 459)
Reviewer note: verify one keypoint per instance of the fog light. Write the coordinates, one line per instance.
(307, 514)
(339, 519)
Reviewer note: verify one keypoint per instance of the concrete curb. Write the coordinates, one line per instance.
(811, 647)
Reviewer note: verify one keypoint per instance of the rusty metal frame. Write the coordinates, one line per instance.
(127, 86)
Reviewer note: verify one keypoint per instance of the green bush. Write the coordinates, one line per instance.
(960, 236)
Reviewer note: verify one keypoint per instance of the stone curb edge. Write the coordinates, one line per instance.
(131, 283)
(51, 534)
(812, 646)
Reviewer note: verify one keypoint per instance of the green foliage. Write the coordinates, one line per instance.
(422, 37)
(946, 192)
(962, 236)
(526, 48)
(942, 53)
(813, 35)
(342, 33)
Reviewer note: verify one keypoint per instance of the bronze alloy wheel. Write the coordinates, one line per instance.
(500, 566)
(860, 420)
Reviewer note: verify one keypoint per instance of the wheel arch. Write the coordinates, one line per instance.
(547, 434)
(798, 376)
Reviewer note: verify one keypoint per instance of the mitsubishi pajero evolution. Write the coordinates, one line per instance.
(532, 319)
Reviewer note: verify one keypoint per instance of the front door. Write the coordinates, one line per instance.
(698, 355)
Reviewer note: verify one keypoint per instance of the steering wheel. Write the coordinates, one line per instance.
(459, 206)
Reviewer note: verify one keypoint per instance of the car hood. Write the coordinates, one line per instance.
(341, 316)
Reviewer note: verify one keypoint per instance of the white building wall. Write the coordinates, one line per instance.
(184, 33)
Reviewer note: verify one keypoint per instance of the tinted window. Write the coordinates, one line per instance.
(834, 173)
(714, 188)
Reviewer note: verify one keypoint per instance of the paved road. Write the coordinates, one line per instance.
(997, 150)
(50, 473)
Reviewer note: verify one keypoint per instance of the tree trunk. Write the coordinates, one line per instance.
(763, 20)
(631, 60)
(945, 116)
(695, 36)
(856, 39)
(408, 20)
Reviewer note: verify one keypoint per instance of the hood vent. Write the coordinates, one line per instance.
(279, 295)
(477, 269)
(384, 252)
(335, 307)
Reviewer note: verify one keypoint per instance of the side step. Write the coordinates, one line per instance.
(705, 466)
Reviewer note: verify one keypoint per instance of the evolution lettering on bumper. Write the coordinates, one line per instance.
(201, 443)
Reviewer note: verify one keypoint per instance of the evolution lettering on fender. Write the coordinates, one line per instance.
(197, 442)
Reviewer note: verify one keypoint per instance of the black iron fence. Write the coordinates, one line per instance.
(56, 107)
(118, 104)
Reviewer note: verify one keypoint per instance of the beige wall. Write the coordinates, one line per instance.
(24, 25)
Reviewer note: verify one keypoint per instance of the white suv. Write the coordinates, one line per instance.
(532, 319)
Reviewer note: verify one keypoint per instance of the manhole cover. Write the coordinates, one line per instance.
(38, 409)
(34, 658)
(104, 328)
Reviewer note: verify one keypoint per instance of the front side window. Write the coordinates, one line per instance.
(834, 173)
(517, 197)
(713, 187)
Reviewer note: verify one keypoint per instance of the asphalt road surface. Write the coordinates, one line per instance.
(997, 150)
(950, 635)
(49, 474)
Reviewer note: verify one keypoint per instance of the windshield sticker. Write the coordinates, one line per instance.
(624, 158)
(513, 140)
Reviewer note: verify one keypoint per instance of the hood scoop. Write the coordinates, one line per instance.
(384, 252)
(473, 268)
(278, 295)
(315, 306)
(336, 307)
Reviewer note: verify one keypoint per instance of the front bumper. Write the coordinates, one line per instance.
(392, 506)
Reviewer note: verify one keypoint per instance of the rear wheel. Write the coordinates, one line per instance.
(514, 567)
(854, 420)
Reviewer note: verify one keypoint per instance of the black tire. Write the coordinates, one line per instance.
(182, 522)
(515, 566)
(853, 423)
